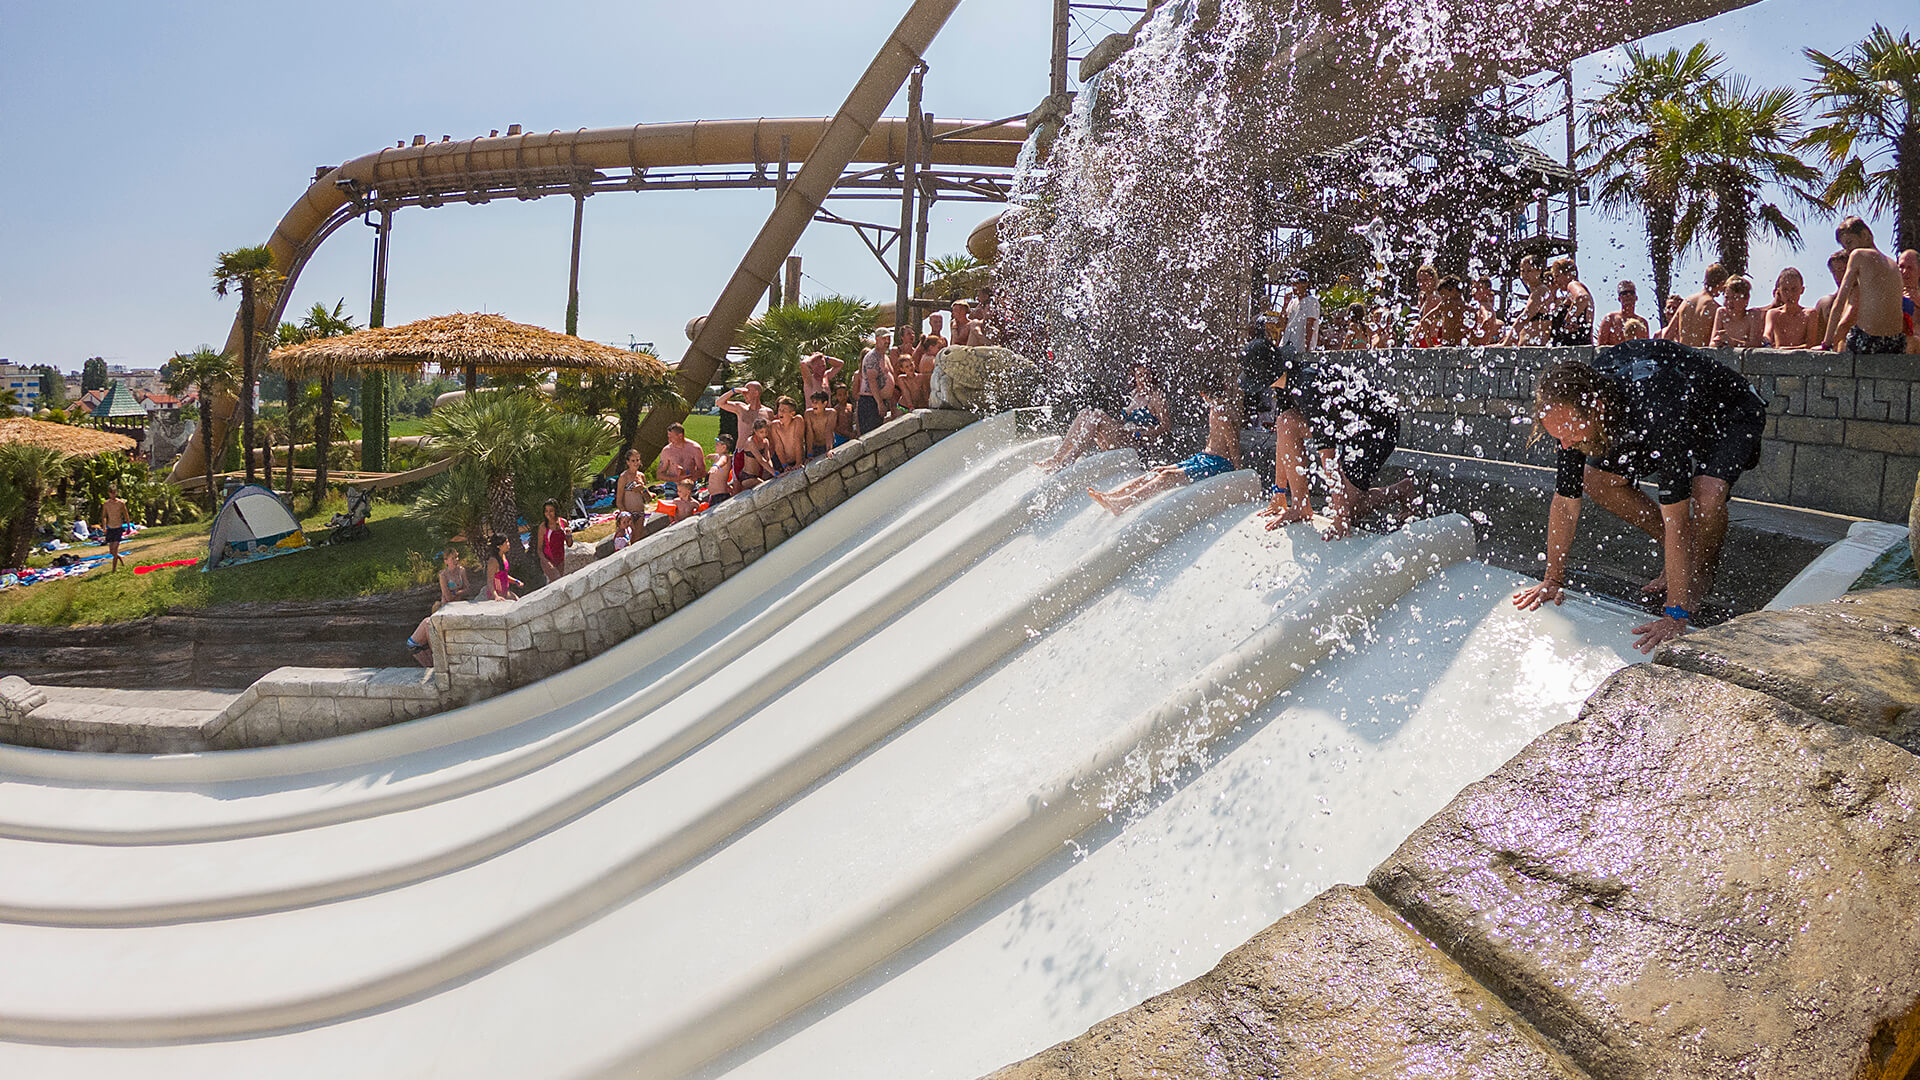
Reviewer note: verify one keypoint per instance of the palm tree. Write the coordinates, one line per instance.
(1626, 145)
(31, 470)
(251, 270)
(1728, 147)
(776, 342)
(207, 373)
(9, 401)
(322, 323)
(496, 436)
(1871, 100)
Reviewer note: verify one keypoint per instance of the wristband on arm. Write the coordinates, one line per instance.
(1678, 613)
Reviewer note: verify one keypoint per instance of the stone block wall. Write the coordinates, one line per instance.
(1709, 873)
(1843, 431)
(481, 649)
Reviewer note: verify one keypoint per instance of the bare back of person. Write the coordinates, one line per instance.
(1876, 293)
(1694, 321)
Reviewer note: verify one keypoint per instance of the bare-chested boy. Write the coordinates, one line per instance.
(820, 421)
(1867, 309)
(748, 408)
(817, 372)
(1221, 455)
(1823, 307)
(1488, 328)
(1693, 323)
(113, 518)
(930, 345)
(1788, 325)
(789, 434)
(843, 418)
(753, 463)
(720, 470)
(1736, 325)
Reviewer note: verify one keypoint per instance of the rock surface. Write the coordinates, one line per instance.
(224, 648)
(1690, 880)
(1853, 662)
(1341, 988)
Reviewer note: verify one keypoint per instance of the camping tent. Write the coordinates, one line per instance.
(254, 524)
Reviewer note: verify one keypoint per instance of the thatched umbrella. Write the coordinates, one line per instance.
(66, 439)
(461, 342)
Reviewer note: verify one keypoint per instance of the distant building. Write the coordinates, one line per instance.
(138, 380)
(23, 381)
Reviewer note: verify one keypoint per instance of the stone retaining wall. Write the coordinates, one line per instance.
(1843, 431)
(1711, 872)
(482, 649)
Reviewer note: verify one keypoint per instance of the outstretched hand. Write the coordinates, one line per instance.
(1536, 596)
(1650, 636)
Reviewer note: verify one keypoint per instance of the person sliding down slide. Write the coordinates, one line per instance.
(1350, 427)
(1648, 409)
(1142, 420)
(1221, 455)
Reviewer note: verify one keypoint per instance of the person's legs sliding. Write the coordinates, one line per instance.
(1140, 488)
(1089, 429)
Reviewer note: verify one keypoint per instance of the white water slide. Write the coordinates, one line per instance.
(953, 773)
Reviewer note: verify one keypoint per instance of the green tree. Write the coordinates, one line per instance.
(31, 471)
(93, 374)
(207, 373)
(1869, 100)
(1729, 148)
(776, 342)
(9, 401)
(251, 271)
(90, 477)
(1628, 152)
(321, 322)
(53, 387)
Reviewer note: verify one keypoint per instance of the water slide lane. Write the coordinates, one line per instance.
(1315, 789)
(232, 977)
(59, 796)
(81, 885)
(1231, 570)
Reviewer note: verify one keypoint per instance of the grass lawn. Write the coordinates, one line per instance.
(399, 555)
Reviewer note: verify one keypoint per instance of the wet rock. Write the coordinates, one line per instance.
(1856, 664)
(1340, 988)
(1691, 880)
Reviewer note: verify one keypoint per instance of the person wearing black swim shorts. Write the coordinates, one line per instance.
(114, 516)
(1336, 427)
(1648, 410)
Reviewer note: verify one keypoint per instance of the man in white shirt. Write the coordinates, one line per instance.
(1300, 315)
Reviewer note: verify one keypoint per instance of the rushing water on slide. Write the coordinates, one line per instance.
(970, 767)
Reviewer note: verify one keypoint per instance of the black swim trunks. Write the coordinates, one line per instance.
(1859, 341)
(1736, 451)
(866, 414)
(115, 532)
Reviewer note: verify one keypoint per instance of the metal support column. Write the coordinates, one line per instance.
(573, 267)
(1062, 24)
(373, 384)
(774, 297)
(1573, 193)
(909, 190)
(927, 198)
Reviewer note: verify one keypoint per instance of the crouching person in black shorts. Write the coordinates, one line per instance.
(1332, 425)
(1660, 411)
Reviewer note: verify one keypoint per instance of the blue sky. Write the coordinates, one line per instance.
(146, 138)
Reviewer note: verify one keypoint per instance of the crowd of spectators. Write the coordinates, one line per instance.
(1557, 308)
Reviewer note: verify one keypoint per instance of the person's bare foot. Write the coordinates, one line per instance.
(1048, 464)
(1340, 529)
(1657, 586)
(1102, 499)
(1286, 516)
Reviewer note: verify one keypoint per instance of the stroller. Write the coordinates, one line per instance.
(352, 525)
